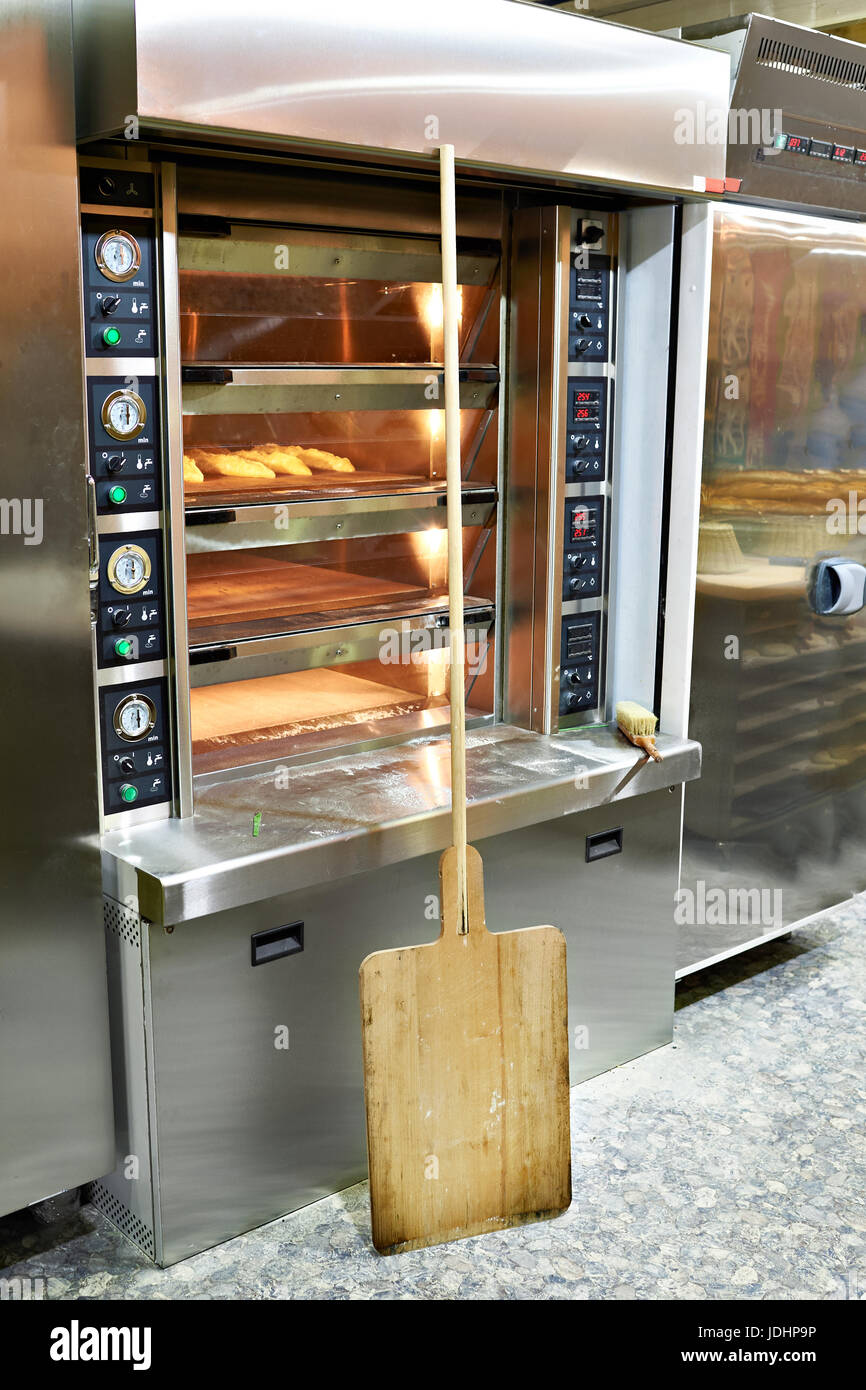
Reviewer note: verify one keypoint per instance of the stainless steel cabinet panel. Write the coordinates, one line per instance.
(241, 1085)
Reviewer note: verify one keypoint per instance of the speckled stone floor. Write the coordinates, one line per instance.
(730, 1165)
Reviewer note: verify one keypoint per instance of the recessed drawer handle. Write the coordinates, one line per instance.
(603, 844)
(275, 943)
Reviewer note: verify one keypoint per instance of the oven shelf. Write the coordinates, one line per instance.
(220, 388)
(351, 633)
(233, 513)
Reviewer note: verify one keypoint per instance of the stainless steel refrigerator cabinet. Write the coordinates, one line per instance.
(239, 1089)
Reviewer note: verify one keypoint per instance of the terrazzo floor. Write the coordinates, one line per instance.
(729, 1165)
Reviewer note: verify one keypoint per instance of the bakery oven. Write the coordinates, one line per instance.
(261, 254)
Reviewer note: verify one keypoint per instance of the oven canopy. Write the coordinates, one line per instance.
(512, 86)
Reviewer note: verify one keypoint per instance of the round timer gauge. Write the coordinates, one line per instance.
(124, 414)
(129, 569)
(134, 717)
(118, 255)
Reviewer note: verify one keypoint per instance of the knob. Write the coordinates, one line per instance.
(574, 678)
(572, 701)
(115, 463)
(127, 765)
(590, 233)
(122, 617)
(583, 319)
(106, 186)
(575, 585)
(110, 303)
(581, 345)
(128, 793)
(576, 562)
(581, 441)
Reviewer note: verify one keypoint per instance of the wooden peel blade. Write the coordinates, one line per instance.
(465, 1040)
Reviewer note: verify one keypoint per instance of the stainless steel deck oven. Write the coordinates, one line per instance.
(262, 313)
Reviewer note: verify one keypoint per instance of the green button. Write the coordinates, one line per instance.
(111, 336)
(128, 792)
(123, 646)
(117, 494)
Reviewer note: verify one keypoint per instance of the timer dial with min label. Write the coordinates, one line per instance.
(124, 414)
(118, 255)
(134, 717)
(129, 569)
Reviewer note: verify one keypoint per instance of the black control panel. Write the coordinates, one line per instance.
(119, 287)
(130, 623)
(586, 438)
(589, 410)
(583, 536)
(118, 249)
(589, 310)
(126, 471)
(579, 663)
(135, 745)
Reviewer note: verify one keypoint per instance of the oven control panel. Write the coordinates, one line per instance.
(582, 569)
(587, 466)
(123, 430)
(589, 310)
(118, 286)
(579, 663)
(586, 437)
(128, 598)
(130, 624)
(134, 729)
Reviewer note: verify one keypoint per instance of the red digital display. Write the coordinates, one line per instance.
(861, 156)
(584, 395)
(582, 524)
(843, 152)
(582, 413)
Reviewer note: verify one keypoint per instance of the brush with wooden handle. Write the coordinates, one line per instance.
(639, 726)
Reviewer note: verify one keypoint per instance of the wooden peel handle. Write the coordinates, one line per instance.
(454, 477)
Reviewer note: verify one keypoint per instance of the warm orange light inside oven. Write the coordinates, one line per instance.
(434, 308)
(437, 672)
(432, 542)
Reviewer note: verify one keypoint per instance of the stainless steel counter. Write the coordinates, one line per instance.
(324, 822)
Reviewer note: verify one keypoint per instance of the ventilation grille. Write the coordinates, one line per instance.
(120, 1215)
(120, 921)
(805, 62)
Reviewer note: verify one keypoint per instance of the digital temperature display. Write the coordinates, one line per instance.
(583, 524)
(798, 144)
(586, 405)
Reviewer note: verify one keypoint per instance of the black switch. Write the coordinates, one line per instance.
(122, 617)
(115, 463)
(110, 303)
(126, 765)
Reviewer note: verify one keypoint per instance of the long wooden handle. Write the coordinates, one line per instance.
(454, 475)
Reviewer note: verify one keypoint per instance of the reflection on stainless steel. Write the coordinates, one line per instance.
(525, 88)
(56, 1127)
(373, 808)
(780, 714)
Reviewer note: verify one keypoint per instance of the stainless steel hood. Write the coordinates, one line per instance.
(512, 86)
